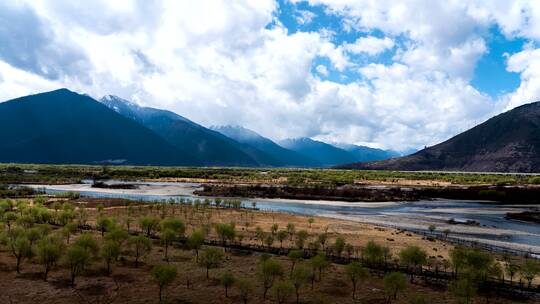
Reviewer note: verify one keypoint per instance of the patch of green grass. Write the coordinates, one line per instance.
(29, 173)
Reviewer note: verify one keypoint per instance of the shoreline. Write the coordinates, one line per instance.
(378, 193)
(151, 190)
(379, 220)
(455, 238)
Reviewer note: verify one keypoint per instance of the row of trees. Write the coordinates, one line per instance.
(29, 234)
(281, 283)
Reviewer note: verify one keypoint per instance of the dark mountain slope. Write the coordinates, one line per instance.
(509, 142)
(65, 127)
(212, 147)
(324, 154)
(251, 138)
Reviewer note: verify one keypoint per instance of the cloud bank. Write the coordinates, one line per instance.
(392, 74)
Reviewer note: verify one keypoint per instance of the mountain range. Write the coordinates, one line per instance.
(65, 127)
(508, 142)
(182, 133)
(288, 158)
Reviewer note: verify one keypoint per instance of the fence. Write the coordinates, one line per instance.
(436, 277)
(471, 243)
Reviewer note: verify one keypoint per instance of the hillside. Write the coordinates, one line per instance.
(249, 137)
(324, 154)
(210, 146)
(65, 127)
(509, 142)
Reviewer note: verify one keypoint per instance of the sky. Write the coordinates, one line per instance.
(391, 74)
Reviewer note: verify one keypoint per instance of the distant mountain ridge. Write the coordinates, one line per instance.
(366, 154)
(249, 137)
(305, 152)
(325, 154)
(508, 142)
(212, 147)
(62, 127)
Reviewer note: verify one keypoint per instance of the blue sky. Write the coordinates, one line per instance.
(490, 75)
(290, 15)
(393, 74)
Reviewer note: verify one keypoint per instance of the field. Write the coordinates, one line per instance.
(254, 235)
(19, 173)
(178, 243)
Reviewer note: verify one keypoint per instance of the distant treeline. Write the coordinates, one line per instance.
(328, 178)
(522, 195)
(310, 193)
(526, 216)
(15, 192)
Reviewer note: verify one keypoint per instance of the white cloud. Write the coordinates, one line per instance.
(305, 17)
(527, 63)
(218, 62)
(370, 45)
(321, 69)
(15, 82)
(29, 43)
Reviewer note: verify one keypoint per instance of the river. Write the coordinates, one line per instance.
(492, 227)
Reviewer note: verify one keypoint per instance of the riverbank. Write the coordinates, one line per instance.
(378, 193)
(526, 216)
(66, 174)
(451, 215)
(159, 189)
(247, 221)
(356, 233)
(134, 284)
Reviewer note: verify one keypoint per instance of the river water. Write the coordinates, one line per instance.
(492, 227)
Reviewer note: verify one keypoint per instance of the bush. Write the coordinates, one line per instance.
(393, 283)
(141, 246)
(110, 252)
(48, 252)
(148, 224)
(211, 258)
(282, 290)
(413, 256)
(245, 287)
(270, 270)
(87, 242)
(227, 280)
(195, 241)
(463, 290)
(299, 277)
(163, 275)
(534, 180)
(77, 259)
(356, 273)
(68, 195)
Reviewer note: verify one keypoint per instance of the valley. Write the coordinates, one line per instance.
(115, 131)
(479, 221)
(115, 206)
(91, 196)
(270, 151)
(327, 235)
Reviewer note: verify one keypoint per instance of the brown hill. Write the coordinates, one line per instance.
(509, 142)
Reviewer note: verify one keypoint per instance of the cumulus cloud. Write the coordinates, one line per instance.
(527, 63)
(233, 62)
(29, 43)
(321, 69)
(370, 45)
(304, 17)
